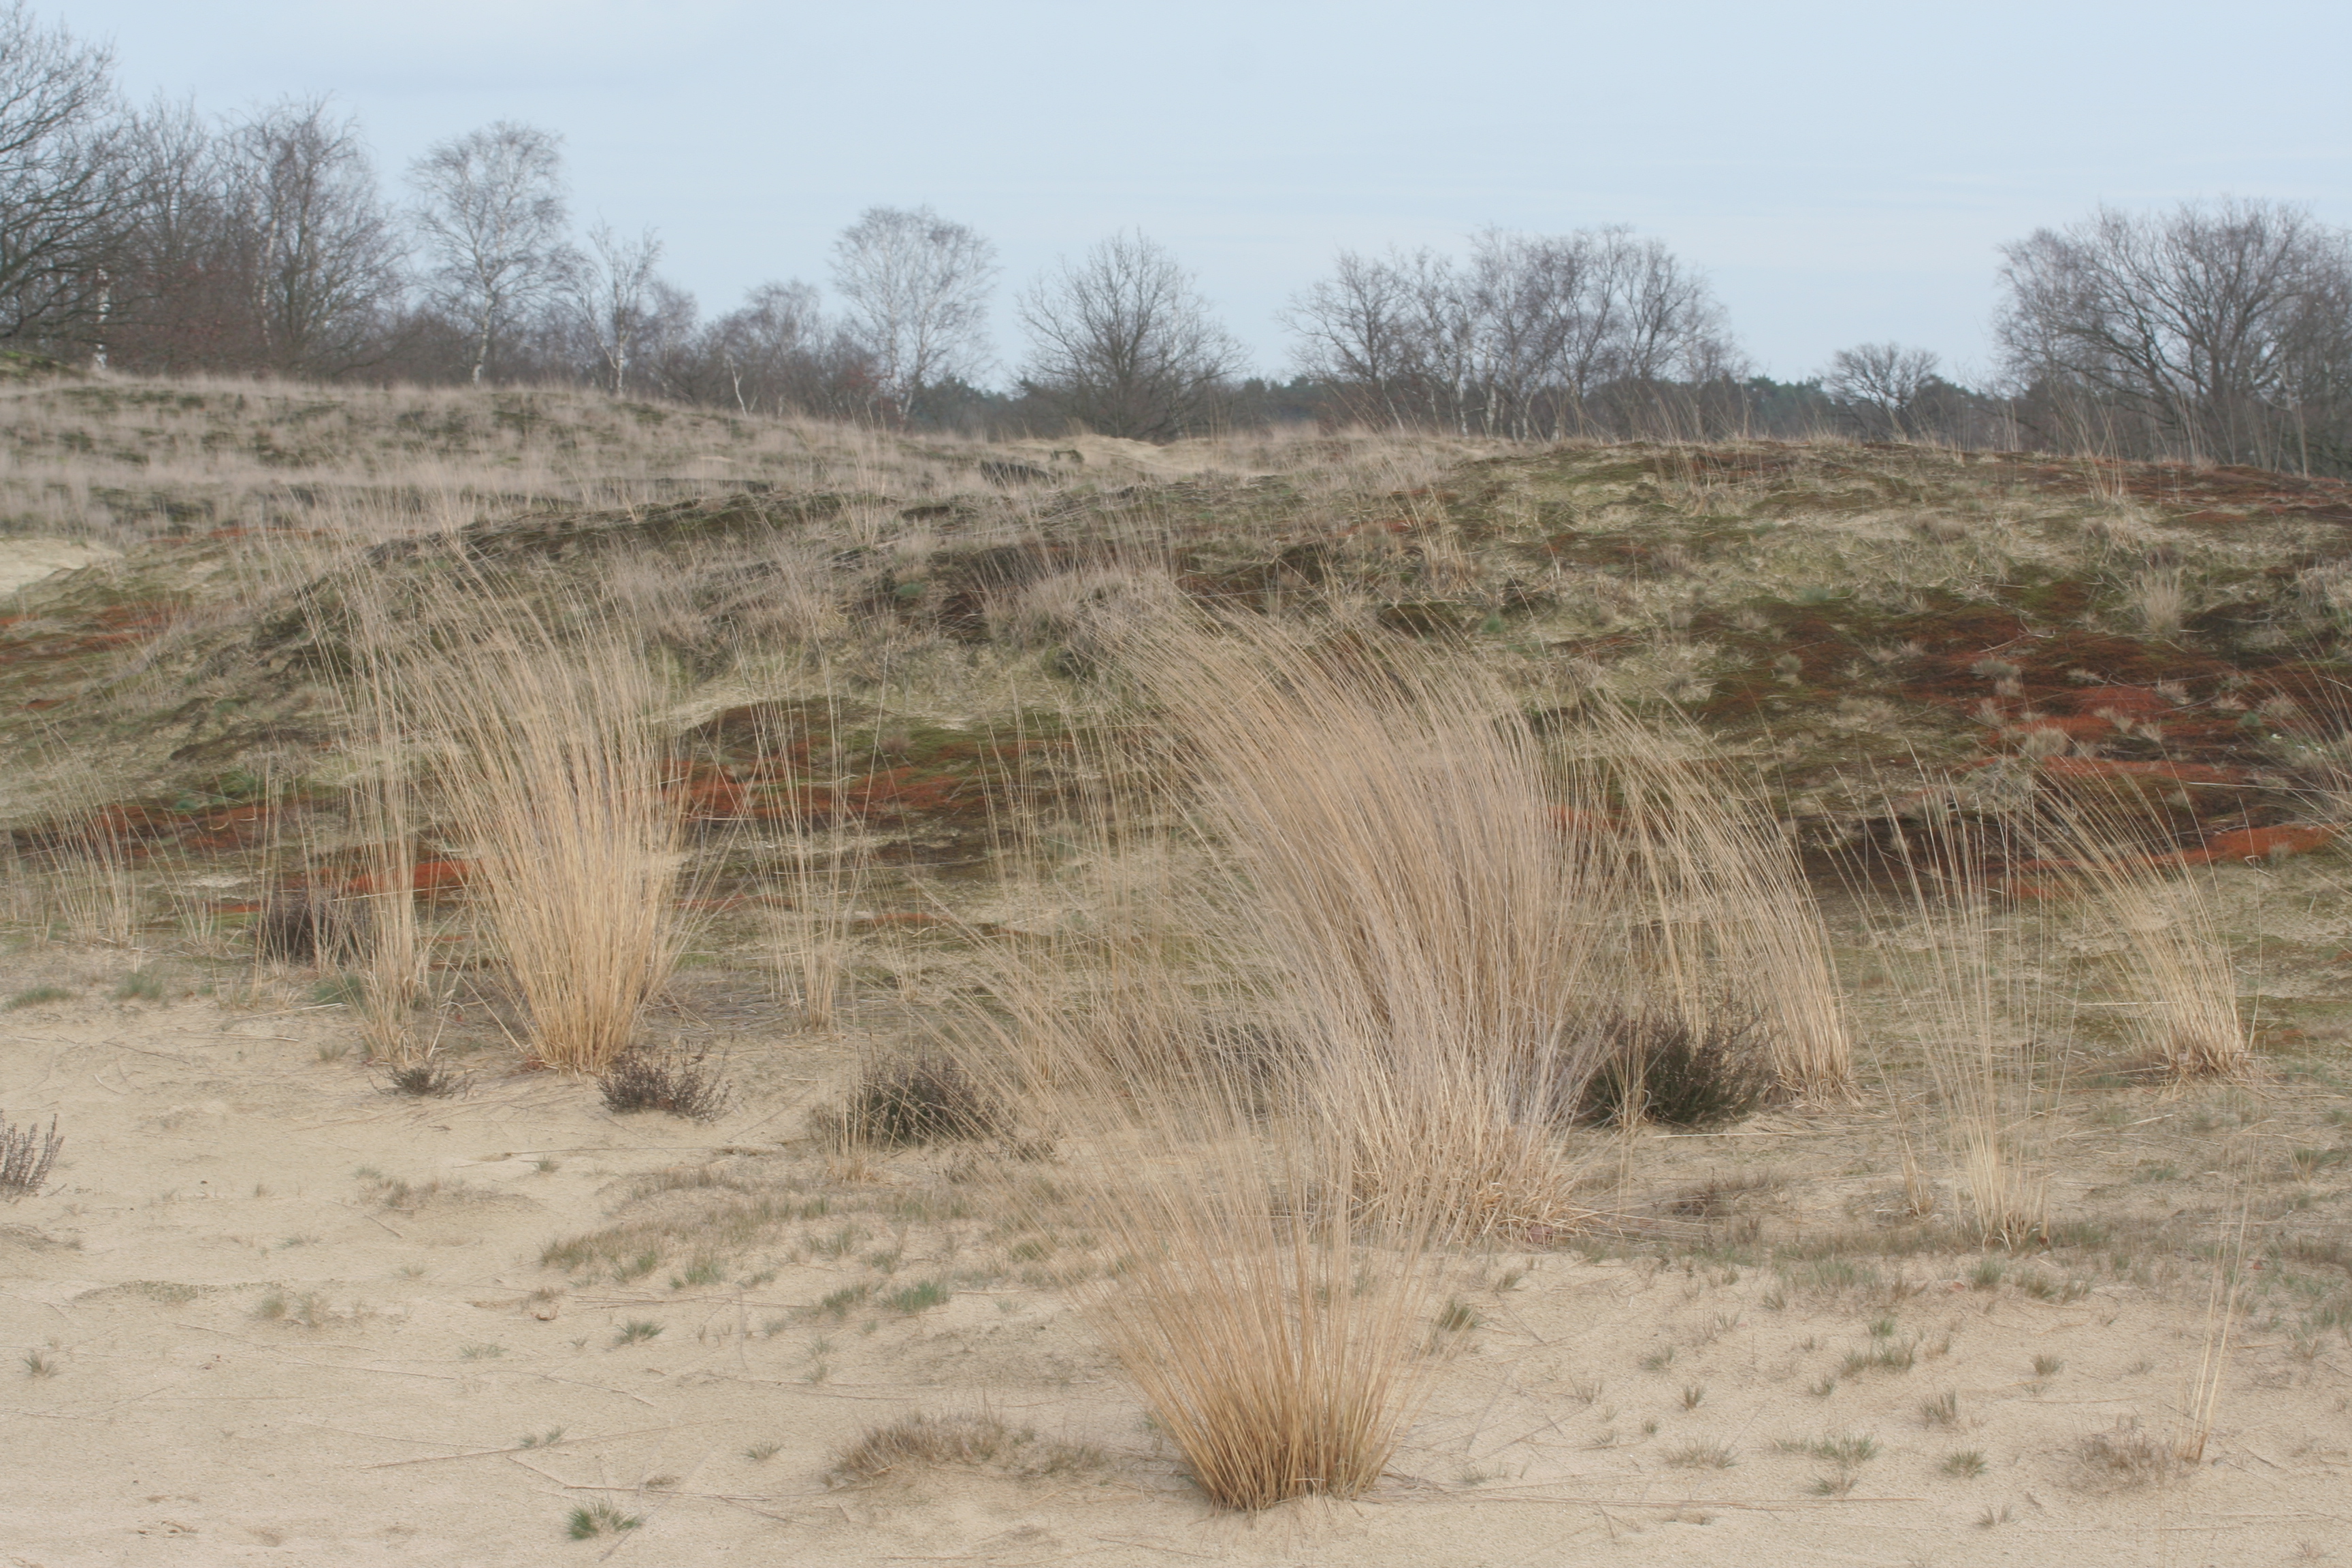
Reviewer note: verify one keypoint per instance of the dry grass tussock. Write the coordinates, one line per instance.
(1709, 922)
(553, 765)
(1331, 1011)
(2188, 1025)
(1392, 823)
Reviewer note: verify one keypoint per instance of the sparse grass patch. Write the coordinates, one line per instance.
(2125, 1456)
(918, 1297)
(148, 985)
(33, 996)
(976, 1440)
(1966, 1463)
(1884, 1355)
(636, 1331)
(1703, 1455)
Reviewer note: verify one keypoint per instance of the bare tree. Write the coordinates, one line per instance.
(1534, 336)
(1880, 385)
(323, 257)
(492, 219)
(779, 352)
(1123, 343)
(180, 295)
(1356, 331)
(2206, 327)
(917, 288)
(611, 290)
(61, 193)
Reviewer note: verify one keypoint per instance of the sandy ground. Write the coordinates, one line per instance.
(27, 561)
(258, 1350)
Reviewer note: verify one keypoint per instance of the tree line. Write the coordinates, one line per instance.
(161, 241)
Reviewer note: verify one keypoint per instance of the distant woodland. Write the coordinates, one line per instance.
(164, 240)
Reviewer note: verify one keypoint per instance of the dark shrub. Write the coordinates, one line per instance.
(428, 1080)
(25, 1155)
(681, 1082)
(925, 1098)
(304, 924)
(1662, 1067)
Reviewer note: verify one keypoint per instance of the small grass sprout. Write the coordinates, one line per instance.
(597, 1518)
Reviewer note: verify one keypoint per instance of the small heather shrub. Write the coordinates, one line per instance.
(927, 1099)
(680, 1082)
(428, 1080)
(1664, 1067)
(25, 1155)
(304, 924)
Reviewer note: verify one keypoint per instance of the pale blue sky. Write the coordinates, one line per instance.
(1843, 172)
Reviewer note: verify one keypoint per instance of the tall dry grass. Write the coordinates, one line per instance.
(1712, 916)
(2187, 1023)
(826, 868)
(1387, 820)
(1329, 1014)
(382, 800)
(1966, 964)
(1275, 1328)
(554, 766)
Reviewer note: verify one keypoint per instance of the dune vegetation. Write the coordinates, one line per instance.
(1099, 989)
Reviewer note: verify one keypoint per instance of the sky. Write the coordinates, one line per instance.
(1843, 174)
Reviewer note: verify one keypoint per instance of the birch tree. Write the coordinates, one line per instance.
(492, 218)
(917, 286)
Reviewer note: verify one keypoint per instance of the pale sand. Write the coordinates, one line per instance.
(211, 1161)
(23, 561)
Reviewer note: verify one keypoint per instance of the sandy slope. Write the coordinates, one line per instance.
(27, 561)
(210, 1172)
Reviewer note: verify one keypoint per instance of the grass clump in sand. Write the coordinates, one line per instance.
(595, 1518)
(559, 786)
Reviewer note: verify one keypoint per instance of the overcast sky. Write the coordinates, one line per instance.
(1843, 173)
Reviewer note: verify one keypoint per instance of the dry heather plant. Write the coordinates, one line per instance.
(554, 771)
(25, 1155)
